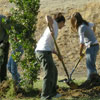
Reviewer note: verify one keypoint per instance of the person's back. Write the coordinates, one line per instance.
(3, 34)
(88, 39)
(46, 42)
(89, 36)
(4, 48)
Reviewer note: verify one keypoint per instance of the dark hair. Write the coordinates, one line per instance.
(59, 18)
(79, 20)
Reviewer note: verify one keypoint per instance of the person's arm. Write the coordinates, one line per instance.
(81, 35)
(54, 52)
(81, 49)
(49, 21)
(59, 56)
(94, 28)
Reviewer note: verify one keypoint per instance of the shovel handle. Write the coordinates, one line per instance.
(65, 69)
(84, 51)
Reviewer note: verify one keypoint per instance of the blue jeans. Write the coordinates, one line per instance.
(12, 65)
(91, 54)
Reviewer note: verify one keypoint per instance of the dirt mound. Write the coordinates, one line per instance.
(4, 86)
(7, 90)
(80, 93)
(87, 89)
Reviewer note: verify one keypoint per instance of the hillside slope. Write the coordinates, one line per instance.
(68, 41)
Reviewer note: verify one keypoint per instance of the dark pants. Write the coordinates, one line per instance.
(4, 48)
(50, 74)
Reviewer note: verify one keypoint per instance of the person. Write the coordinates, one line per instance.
(44, 50)
(88, 39)
(12, 67)
(4, 47)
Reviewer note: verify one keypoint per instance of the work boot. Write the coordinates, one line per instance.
(17, 87)
(85, 84)
(95, 77)
(95, 80)
(57, 95)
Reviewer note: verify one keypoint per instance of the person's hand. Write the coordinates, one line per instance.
(49, 20)
(60, 57)
(52, 33)
(54, 52)
(82, 55)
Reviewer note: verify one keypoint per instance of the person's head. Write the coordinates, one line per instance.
(77, 20)
(60, 19)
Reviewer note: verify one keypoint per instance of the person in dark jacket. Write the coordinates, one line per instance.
(4, 47)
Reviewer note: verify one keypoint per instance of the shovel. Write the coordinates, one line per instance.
(70, 83)
(76, 65)
(68, 80)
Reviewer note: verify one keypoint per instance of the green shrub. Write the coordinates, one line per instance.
(23, 25)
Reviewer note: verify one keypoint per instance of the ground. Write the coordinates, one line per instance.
(68, 41)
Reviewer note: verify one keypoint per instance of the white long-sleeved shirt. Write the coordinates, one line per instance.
(46, 42)
(86, 34)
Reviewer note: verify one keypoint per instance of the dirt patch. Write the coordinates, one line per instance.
(67, 93)
(80, 93)
(7, 90)
(4, 86)
(88, 89)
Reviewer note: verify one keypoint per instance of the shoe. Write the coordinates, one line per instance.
(44, 98)
(86, 84)
(57, 95)
(95, 77)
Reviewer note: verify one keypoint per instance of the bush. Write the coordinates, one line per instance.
(23, 25)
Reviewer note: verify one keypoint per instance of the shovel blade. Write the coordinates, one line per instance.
(72, 84)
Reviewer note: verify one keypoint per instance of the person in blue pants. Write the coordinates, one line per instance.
(87, 39)
(44, 50)
(12, 67)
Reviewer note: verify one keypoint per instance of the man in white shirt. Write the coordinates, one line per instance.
(44, 50)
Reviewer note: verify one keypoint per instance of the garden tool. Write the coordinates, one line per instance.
(69, 82)
(70, 75)
(77, 64)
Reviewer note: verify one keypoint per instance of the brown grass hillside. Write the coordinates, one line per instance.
(68, 41)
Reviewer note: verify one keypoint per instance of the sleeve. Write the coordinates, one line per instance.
(81, 34)
(91, 25)
(55, 27)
